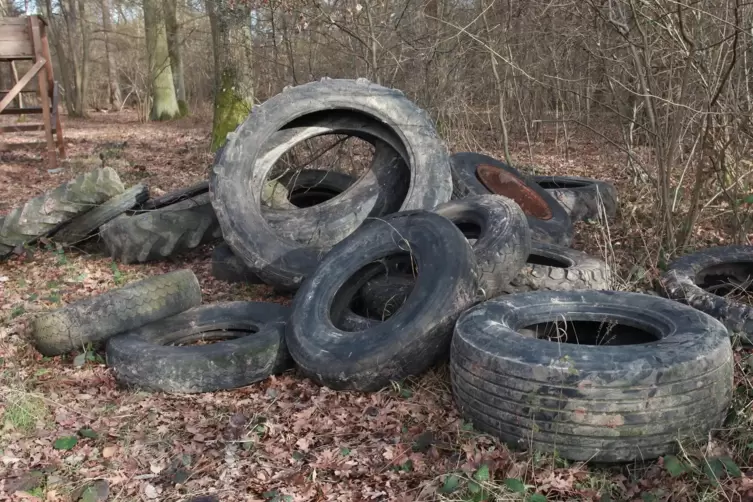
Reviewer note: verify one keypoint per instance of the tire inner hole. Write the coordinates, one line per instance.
(589, 333)
(212, 336)
(548, 261)
(553, 185)
(302, 196)
(728, 279)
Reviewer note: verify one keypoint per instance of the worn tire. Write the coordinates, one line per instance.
(411, 340)
(176, 196)
(229, 268)
(242, 168)
(548, 220)
(81, 227)
(601, 403)
(97, 318)
(48, 212)
(164, 232)
(558, 268)
(145, 357)
(582, 198)
(685, 281)
(315, 186)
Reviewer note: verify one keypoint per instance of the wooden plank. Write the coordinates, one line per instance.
(14, 21)
(23, 111)
(16, 49)
(22, 127)
(14, 32)
(22, 83)
(14, 71)
(44, 91)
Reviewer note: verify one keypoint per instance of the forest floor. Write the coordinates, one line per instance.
(68, 432)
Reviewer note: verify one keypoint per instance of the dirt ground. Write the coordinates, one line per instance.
(68, 432)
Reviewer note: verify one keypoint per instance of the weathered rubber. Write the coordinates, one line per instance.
(146, 357)
(578, 271)
(229, 268)
(47, 212)
(412, 339)
(97, 318)
(312, 186)
(81, 227)
(682, 279)
(601, 403)
(556, 230)
(242, 168)
(582, 198)
(164, 232)
(176, 196)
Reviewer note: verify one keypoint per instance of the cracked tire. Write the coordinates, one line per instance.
(412, 339)
(154, 235)
(81, 227)
(582, 198)
(282, 262)
(548, 220)
(229, 268)
(722, 269)
(48, 212)
(97, 318)
(251, 348)
(672, 380)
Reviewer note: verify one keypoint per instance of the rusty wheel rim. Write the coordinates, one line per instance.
(500, 182)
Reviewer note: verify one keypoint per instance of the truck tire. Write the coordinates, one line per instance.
(229, 268)
(582, 198)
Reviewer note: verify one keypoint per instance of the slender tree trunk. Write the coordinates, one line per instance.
(82, 84)
(115, 97)
(233, 46)
(174, 49)
(165, 102)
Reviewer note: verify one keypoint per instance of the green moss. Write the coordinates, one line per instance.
(230, 109)
(183, 107)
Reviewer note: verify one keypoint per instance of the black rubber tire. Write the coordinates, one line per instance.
(285, 263)
(583, 198)
(97, 318)
(685, 276)
(557, 268)
(164, 232)
(411, 340)
(605, 403)
(81, 227)
(47, 213)
(146, 357)
(313, 186)
(557, 229)
(229, 268)
(176, 196)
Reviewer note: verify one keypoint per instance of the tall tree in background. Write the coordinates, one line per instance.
(165, 103)
(174, 49)
(233, 48)
(112, 76)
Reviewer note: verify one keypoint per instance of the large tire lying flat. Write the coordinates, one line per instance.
(315, 186)
(702, 280)
(164, 232)
(252, 349)
(48, 212)
(81, 227)
(176, 196)
(243, 167)
(664, 375)
(97, 318)
(548, 220)
(229, 268)
(582, 198)
(412, 339)
(558, 268)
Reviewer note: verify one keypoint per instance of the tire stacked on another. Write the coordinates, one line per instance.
(582, 198)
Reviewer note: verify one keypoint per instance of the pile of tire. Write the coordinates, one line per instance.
(425, 258)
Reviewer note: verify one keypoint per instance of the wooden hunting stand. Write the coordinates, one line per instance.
(25, 39)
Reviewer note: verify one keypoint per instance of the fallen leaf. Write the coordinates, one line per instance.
(109, 451)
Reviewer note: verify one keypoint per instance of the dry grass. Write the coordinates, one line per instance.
(286, 438)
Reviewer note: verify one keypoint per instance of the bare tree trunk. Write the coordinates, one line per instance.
(165, 103)
(233, 49)
(174, 48)
(499, 87)
(115, 97)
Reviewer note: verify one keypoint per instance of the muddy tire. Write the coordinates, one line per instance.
(582, 198)
(229, 268)
(81, 227)
(97, 318)
(666, 373)
(703, 279)
(243, 166)
(252, 348)
(412, 339)
(164, 232)
(558, 268)
(548, 220)
(48, 212)
(176, 196)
